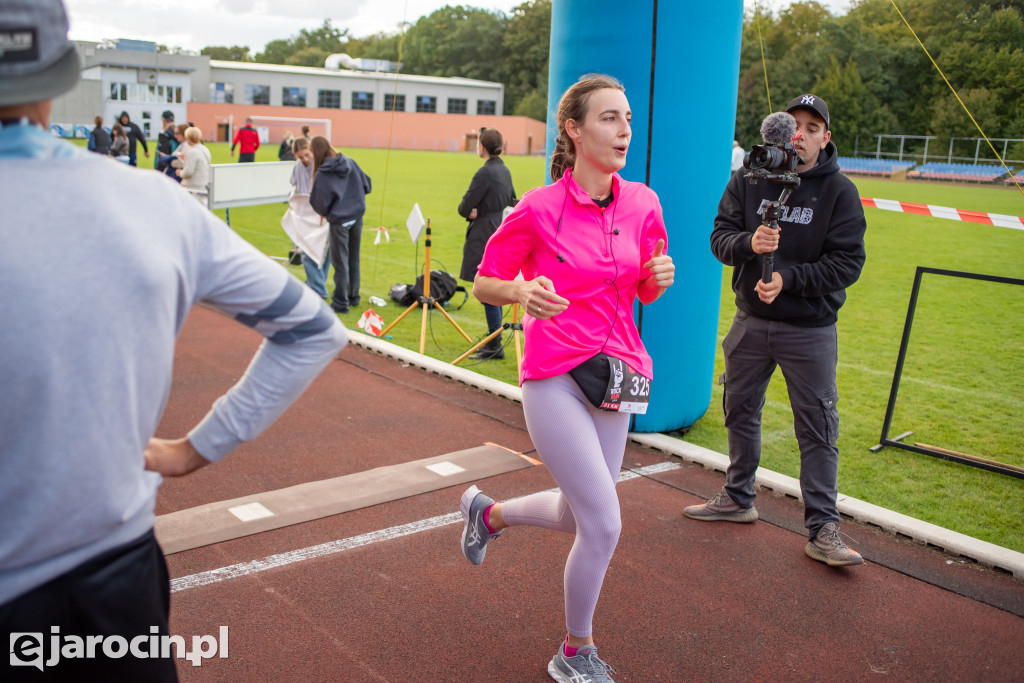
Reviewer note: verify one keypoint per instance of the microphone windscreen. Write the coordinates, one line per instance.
(778, 128)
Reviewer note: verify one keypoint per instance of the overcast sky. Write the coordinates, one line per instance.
(195, 24)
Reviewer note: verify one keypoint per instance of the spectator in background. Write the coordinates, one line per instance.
(248, 141)
(489, 193)
(99, 140)
(167, 141)
(134, 136)
(285, 151)
(84, 386)
(302, 182)
(119, 143)
(305, 132)
(195, 173)
(339, 194)
(175, 160)
(737, 156)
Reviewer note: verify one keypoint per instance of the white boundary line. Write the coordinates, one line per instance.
(956, 544)
(235, 571)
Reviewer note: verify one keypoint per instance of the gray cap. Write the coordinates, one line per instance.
(37, 61)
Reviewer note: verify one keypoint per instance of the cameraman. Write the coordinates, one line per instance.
(789, 322)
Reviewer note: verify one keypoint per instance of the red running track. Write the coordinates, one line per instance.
(683, 600)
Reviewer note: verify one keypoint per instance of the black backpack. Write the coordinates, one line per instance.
(442, 288)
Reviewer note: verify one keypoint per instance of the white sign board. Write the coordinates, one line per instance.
(264, 182)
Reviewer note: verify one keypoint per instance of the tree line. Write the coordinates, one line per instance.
(866, 63)
(877, 79)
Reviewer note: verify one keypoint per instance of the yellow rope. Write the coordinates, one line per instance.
(976, 125)
(764, 64)
(387, 156)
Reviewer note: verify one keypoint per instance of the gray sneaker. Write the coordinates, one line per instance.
(721, 508)
(475, 535)
(585, 667)
(827, 547)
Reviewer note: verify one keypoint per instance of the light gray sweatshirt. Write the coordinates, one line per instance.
(99, 266)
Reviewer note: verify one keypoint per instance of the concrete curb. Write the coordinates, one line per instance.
(957, 544)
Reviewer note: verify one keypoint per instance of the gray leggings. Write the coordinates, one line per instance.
(582, 447)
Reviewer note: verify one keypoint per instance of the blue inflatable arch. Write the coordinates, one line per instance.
(679, 62)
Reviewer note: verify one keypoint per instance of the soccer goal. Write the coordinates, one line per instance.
(958, 377)
(273, 128)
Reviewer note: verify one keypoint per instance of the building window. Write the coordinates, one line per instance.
(426, 104)
(486, 107)
(222, 93)
(119, 91)
(329, 99)
(146, 122)
(362, 100)
(394, 102)
(293, 97)
(456, 105)
(257, 94)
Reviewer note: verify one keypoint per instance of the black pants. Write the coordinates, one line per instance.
(345, 244)
(808, 356)
(246, 156)
(123, 592)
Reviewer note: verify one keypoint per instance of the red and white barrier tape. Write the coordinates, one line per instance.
(1016, 222)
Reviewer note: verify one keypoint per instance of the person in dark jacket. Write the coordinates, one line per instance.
(99, 139)
(789, 322)
(166, 141)
(339, 195)
(489, 193)
(285, 151)
(134, 135)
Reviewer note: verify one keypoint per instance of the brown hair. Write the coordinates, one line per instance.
(574, 105)
(299, 144)
(492, 141)
(98, 120)
(181, 128)
(117, 129)
(321, 150)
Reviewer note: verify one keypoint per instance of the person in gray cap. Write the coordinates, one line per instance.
(85, 365)
(789, 322)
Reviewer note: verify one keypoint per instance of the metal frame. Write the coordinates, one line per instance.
(990, 465)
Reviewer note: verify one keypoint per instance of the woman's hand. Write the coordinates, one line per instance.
(472, 215)
(539, 298)
(663, 274)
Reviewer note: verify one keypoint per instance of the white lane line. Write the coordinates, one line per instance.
(235, 571)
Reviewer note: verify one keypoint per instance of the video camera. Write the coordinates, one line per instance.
(776, 160)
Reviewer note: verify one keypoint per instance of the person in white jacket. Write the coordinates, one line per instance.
(195, 174)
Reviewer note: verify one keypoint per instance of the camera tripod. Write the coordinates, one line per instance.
(426, 301)
(516, 328)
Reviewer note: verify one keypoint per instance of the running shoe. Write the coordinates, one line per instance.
(475, 535)
(585, 667)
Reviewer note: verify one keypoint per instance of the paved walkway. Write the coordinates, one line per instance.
(383, 594)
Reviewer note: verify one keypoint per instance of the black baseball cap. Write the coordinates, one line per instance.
(168, 115)
(810, 103)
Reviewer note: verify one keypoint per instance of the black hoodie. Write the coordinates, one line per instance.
(133, 132)
(821, 245)
(339, 190)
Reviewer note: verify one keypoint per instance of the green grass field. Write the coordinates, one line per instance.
(964, 370)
